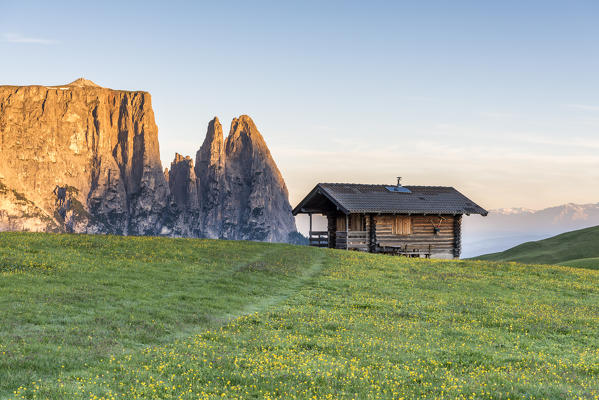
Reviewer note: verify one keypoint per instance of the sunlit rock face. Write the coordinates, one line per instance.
(101, 144)
(82, 158)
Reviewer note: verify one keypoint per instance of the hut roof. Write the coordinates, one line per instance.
(357, 198)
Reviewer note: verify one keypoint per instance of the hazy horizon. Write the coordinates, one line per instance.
(500, 101)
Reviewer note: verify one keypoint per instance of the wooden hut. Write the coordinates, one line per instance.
(416, 221)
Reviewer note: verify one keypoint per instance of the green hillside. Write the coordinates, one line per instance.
(565, 248)
(590, 263)
(103, 317)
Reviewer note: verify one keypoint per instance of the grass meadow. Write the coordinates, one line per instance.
(102, 317)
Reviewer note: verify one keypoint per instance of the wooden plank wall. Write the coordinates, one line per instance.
(442, 244)
(340, 240)
(358, 240)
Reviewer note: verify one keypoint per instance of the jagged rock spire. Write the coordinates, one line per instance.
(210, 165)
(256, 202)
(183, 183)
(241, 192)
(211, 153)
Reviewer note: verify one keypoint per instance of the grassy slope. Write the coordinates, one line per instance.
(590, 263)
(580, 244)
(251, 320)
(68, 302)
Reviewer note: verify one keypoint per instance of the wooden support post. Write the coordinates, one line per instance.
(457, 234)
(371, 234)
(332, 229)
(346, 232)
(310, 214)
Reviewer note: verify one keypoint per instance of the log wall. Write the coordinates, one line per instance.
(423, 235)
(378, 233)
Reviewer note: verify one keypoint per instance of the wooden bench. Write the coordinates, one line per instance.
(405, 251)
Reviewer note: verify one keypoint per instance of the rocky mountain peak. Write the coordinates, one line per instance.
(179, 159)
(244, 121)
(213, 142)
(211, 153)
(82, 82)
(245, 142)
(244, 127)
(262, 202)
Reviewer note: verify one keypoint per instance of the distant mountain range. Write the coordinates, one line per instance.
(507, 227)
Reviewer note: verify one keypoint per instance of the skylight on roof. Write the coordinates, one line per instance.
(398, 189)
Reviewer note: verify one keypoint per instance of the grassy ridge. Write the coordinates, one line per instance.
(575, 245)
(270, 321)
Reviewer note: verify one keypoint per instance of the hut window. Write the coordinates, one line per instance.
(402, 225)
(357, 222)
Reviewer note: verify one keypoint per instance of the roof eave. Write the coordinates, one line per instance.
(339, 206)
(418, 212)
(318, 189)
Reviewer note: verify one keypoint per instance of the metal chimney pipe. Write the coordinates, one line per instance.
(399, 181)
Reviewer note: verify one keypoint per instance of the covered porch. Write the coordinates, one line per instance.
(343, 230)
(348, 232)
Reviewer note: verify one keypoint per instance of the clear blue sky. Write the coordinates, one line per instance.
(500, 99)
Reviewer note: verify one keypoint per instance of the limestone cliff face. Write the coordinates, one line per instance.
(99, 144)
(83, 158)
